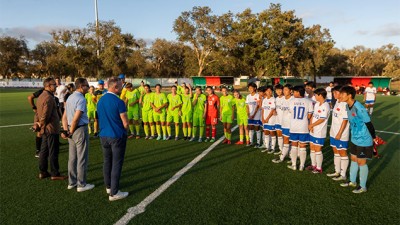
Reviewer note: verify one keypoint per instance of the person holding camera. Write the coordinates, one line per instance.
(75, 123)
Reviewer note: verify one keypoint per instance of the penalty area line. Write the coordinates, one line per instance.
(141, 207)
(16, 125)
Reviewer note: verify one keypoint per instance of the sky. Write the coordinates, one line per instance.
(351, 23)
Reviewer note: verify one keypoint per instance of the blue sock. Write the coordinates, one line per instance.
(353, 171)
(363, 176)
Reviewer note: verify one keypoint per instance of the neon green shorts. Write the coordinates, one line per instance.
(242, 120)
(173, 117)
(91, 114)
(133, 114)
(159, 117)
(187, 117)
(198, 119)
(147, 116)
(227, 118)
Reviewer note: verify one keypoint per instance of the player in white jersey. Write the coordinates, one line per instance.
(278, 103)
(301, 110)
(329, 94)
(310, 88)
(285, 121)
(339, 137)
(369, 97)
(260, 134)
(253, 111)
(318, 127)
(269, 119)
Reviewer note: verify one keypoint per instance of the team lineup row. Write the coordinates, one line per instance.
(286, 114)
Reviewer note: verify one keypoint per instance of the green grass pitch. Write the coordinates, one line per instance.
(231, 185)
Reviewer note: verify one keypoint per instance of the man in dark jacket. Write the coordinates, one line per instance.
(49, 125)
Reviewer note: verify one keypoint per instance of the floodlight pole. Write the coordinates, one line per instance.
(97, 35)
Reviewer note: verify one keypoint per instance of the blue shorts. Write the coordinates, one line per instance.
(286, 132)
(278, 127)
(317, 141)
(370, 102)
(297, 137)
(255, 122)
(269, 127)
(338, 144)
(328, 100)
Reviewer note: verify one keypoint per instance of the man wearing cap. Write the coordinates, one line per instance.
(98, 93)
(123, 92)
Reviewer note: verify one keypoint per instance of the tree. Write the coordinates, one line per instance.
(203, 31)
(12, 52)
(317, 45)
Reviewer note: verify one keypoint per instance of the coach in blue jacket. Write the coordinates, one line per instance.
(113, 125)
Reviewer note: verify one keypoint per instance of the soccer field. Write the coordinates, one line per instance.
(230, 185)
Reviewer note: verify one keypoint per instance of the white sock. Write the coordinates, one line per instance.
(273, 142)
(313, 158)
(337, 162)
(319, 157)
(266, 141)
(280, 143)
(293, 155)
(285, 151)
(303, 156)
(371, 109)
(258, 133)
(251, 133)
(290, 151)
(344, 163)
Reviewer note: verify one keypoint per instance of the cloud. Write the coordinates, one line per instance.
(35, 34)
(388, 30)
(362, 32)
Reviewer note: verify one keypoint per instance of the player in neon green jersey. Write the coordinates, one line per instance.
(226, 113)
(159, 104)
(241, 117)
(147, 112)
(187, 112)
(132, 102)
(173, 112)
(141, 88)
(199, 113)
(91, 108)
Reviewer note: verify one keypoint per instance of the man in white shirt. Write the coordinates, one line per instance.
(369, 97)
(329, 94)
(61, 90)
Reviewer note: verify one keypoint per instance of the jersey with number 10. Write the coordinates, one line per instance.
(299, 110)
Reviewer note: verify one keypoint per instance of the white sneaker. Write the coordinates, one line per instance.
(264, 150)
(301, 168)
(108, 190)
(71, 186)
(339, 178)
(118, 196)
(359, 190)
(333, 174)
(291, 167)
(87, 187)
(278, 152)
(277, 160)
(348, 184)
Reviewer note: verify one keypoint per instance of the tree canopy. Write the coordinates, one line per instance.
(271, 43)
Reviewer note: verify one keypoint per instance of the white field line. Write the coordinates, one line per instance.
(141, 207)
(27, 124)
(16, 125)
